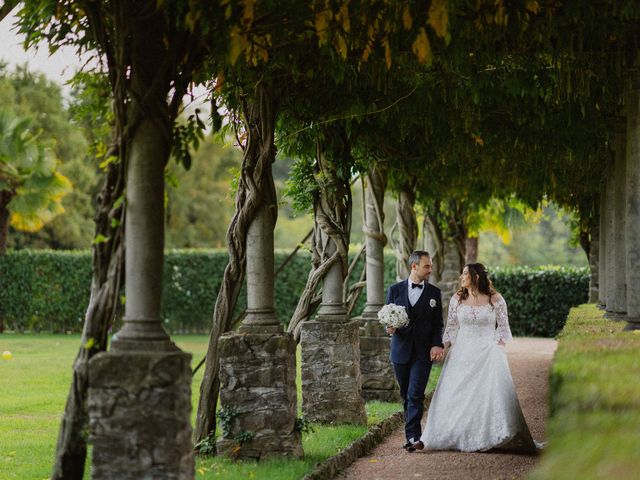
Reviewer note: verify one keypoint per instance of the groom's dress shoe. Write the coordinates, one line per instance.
(418, 445)
(407, 445)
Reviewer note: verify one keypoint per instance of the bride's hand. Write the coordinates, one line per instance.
(436, 354)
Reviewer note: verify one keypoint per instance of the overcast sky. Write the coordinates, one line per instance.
(59, 67)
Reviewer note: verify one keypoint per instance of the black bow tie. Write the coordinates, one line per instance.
(417, 285)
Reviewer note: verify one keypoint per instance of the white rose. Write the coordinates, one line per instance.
(433, 302)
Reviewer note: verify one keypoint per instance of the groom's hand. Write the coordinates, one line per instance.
(436, 354)
(391, 330)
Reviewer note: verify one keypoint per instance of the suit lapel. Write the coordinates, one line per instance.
(404, 292)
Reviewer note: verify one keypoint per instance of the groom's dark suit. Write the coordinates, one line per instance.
(410, 346)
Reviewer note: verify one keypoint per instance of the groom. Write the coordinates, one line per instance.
(416, 345)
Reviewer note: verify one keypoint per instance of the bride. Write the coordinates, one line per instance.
(475, 406)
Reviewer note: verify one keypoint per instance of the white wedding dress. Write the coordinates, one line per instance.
(475, 406)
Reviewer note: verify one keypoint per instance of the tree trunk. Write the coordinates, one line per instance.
(407, 228)
(6, 8)
(4, 231)
(5, 198)
(108, 266)
(256, 183)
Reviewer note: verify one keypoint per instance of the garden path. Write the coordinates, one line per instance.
(529, 360)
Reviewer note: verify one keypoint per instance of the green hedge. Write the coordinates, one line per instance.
(43, 290)
(539, 299)
(594, 428)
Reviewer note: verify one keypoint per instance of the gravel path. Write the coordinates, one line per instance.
(529, 360)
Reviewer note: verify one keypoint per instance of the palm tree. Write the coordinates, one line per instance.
(31, 188)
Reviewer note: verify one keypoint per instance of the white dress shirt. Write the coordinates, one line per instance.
(414, 293)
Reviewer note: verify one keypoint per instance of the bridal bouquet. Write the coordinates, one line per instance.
(393, 315)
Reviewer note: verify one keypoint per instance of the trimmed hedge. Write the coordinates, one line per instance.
(594, 427)
(44, 290)
(539, 299)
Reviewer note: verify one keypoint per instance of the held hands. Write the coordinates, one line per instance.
(436, 354)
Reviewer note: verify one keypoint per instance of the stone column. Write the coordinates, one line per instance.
(619, 263)
(632, 103)
(453, 264)
(432, 243)
(257, 364)
(594, 258)
(139, 391)
(602, 249)
(407, 229)
(144, 252)
(378, 381)
(331, 379)
(471, 249)
(610, 240)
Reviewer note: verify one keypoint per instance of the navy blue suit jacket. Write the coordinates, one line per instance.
(425, 322)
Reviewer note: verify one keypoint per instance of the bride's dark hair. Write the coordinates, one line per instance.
(480, 282)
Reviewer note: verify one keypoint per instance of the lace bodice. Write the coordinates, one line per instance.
(489, 322)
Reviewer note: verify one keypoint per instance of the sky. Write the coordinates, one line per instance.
(58, 67)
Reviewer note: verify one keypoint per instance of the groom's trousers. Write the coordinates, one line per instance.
(412, 379)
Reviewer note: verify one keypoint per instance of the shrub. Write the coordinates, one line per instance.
(595, 401)
(539, 299)
(44, 290)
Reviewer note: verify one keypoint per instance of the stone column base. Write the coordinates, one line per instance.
(632, 323)
(140, 415)
(611, 315)
(331, 380)
(258, 396)
(378, 379)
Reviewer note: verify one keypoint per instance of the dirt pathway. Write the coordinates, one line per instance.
(529, 360)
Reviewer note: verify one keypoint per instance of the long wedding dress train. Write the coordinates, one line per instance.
(475, 406)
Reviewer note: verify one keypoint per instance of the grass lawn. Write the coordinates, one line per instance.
(33, 390)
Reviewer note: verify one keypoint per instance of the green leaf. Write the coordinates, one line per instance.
(99, 239)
